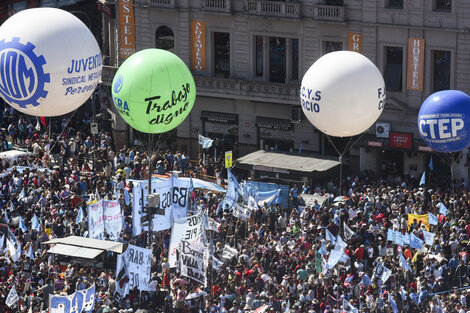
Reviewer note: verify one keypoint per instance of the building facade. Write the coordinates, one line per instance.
(248, 58)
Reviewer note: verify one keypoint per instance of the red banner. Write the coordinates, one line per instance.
(401, 140)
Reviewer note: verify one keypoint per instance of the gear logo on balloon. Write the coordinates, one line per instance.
(22, 77)
(118, 84)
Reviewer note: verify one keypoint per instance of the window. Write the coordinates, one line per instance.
(443, 5)
(222, 54)
(164, 38)
(277, 59)
(395, 4)
(393, 68)
(441, 70)
(295, 59)
(331, 46)
(259, 55)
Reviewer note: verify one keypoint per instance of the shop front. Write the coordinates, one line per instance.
(275, 134)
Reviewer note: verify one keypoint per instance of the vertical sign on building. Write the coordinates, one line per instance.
(414, 77)
(198, 45)
(355, 42)
(126, 28)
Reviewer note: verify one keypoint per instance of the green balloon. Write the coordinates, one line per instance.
(153, 91)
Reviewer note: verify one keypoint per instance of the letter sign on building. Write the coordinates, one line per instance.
(355, 42)
(198, 45)
(126, 28)
(414, 77)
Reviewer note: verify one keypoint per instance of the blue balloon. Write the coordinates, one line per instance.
(444, 121)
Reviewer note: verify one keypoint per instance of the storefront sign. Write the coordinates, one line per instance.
(198, 45)
(401, 140)
(375, 144)
(425, 148)
(355, 42)
(414, 77)
(126, 28)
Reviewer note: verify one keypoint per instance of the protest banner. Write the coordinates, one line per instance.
(192, 261)
(173, 200)
(423, 218)
(112, 218)
(229, 253)
(135, 263)
(241, 212)
(190, 229)
(96, 220)
(78, 302)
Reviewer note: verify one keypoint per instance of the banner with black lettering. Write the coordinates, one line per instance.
(173, 199)
(241, 212)
(190, 229)
(191, 257)
(133, 269)
(229, 253)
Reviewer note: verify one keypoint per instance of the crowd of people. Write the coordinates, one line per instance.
(283, 250)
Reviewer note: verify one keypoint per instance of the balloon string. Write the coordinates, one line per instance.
(348, 145)
(67, 125)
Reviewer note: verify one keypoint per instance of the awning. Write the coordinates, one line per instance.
(274, 123)
(103, 245)
(74, 251)
(219, 117)
(278, 161)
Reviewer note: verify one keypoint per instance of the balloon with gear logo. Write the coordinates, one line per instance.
(444, 121)
(342, 94)
(153, 91)
(50, 62)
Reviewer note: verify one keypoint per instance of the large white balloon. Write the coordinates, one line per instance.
(50, 62)
(343, 93)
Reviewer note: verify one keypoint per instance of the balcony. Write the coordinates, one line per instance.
(170, 4)
(273, 8)
(329, 12)
(222, 6)
(247, 89)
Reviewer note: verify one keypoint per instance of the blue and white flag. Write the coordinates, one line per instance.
(322, 250)
(11, 236)
(329, 236)
(415, 242)
(30, 252)
(432, 219)
(403, 293)
(205, 142)
(366, 280)
(35, 223)
(22, 226)
(347, 307)
(403, 263)
(393, 303)
(78, 302)
(428, 238)
(414, 297)
(406, 239)
(399, 240)
(442, 209)
(431, 166)
(382, 273)
(334, 258)
(423, 179)
(127, 200)
(7, 219)
(340, 244)
(232, 194)
(80, 216)
(390, 235)
(344, 257)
